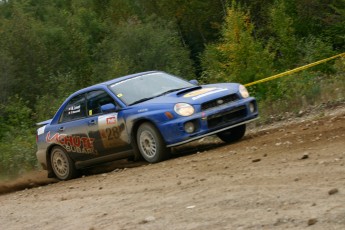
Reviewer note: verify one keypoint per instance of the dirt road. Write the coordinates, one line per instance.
(289, 175)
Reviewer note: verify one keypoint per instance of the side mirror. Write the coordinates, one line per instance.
(108, 108)
(194, 82)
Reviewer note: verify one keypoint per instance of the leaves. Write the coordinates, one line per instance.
(239, 56)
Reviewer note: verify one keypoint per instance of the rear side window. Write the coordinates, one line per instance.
(75, 109)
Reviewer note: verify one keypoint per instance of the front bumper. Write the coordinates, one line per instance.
(209, 122)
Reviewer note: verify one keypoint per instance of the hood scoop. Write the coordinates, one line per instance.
(188, 90)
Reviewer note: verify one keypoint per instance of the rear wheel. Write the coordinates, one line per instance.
(62, 164)
(151, 144)
(233, 134)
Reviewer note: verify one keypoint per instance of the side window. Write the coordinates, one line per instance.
(95, 99)
(75, 109)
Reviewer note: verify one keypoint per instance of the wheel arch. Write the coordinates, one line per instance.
(51, 173)
(137, 124)
(133, 135)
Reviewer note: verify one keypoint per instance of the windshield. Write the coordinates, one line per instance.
(148, 86)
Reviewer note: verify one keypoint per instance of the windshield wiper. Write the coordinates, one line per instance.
(158, 95)
(142, 100)
(169, 91)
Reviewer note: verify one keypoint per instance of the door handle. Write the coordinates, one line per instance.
(92, 122)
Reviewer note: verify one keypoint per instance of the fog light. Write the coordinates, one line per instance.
(189, 127)
(252, 107)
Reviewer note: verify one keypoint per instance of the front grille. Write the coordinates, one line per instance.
(219, 101)
(227, 117)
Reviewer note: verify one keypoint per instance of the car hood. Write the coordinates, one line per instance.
(196, 95)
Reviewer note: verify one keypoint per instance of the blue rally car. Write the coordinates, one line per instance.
(140, 115)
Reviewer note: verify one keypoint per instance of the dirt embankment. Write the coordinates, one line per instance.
(289, 175)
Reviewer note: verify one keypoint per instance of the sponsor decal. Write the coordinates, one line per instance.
(111, 120)
(112, 133)
(72, 143)
(209, 93)
(142, 110)
(133, 78)
(110, 130)
(74, 109)
(203, 92)
(198, 92)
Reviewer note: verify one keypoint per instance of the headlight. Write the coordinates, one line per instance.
(184, 109)
(243, 91)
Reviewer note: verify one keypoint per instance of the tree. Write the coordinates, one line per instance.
(197, 21)
(238, 56)
(24, 52)
(136, 46)
(282, 41)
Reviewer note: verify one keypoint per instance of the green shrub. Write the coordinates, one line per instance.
(17, 139)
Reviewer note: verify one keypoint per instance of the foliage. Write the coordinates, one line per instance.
(17, 140)
(154, 45)
(282, 41)
(238, 56)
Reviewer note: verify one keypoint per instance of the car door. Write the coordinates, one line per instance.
(71, 130)
(106, 127)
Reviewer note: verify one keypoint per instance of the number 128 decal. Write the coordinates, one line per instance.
(110, 130)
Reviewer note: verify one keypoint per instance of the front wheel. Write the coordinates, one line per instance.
(233, 134)
(151, 144)
(62, 164)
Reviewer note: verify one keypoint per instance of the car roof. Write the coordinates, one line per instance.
(115, 80)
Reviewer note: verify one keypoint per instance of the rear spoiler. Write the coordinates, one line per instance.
(44, 122)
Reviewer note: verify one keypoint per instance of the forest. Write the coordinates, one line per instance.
(51, 48)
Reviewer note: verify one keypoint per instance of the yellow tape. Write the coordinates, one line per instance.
(294, 70)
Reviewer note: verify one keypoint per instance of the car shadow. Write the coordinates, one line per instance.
(194, 147)
(39, 178)
(112, 166)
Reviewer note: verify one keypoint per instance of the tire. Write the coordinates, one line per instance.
(151, 144)
(62, 165)
(232, 135)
